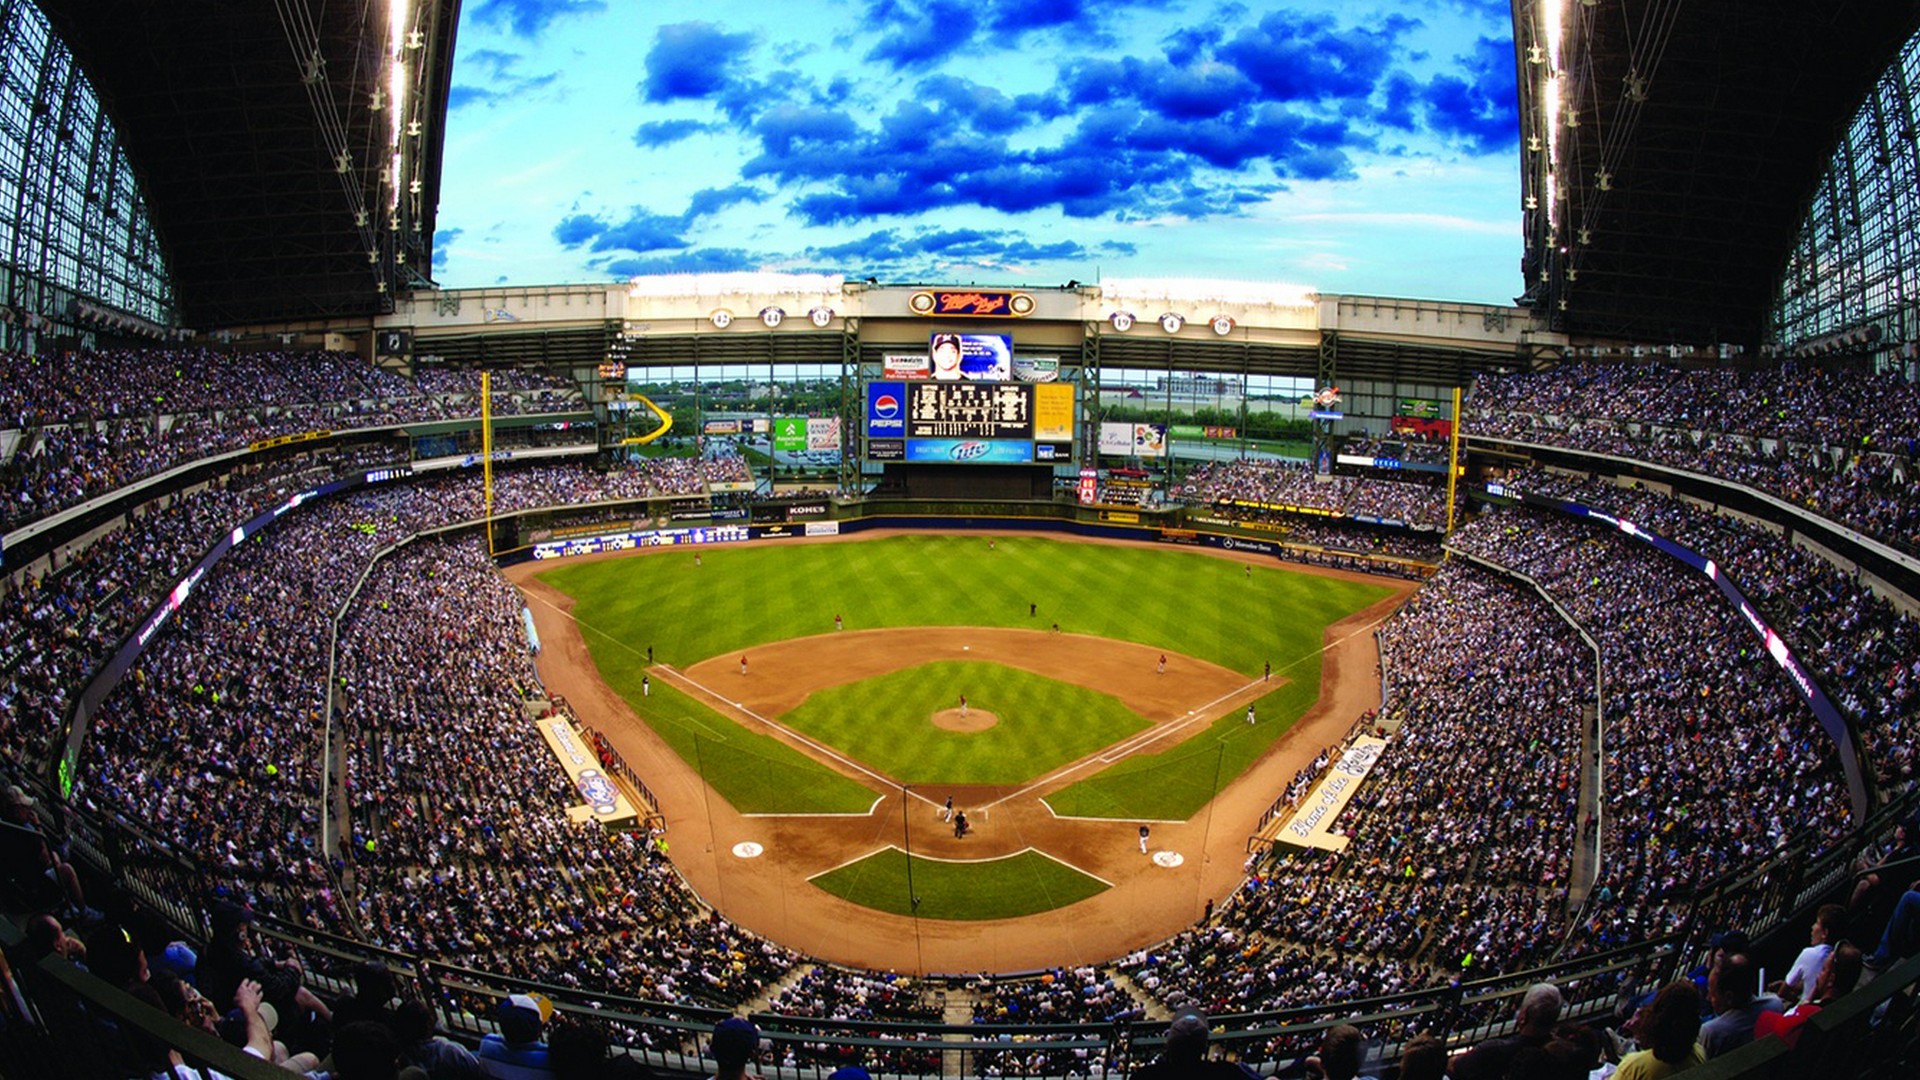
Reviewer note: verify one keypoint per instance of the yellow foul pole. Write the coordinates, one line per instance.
(486, 452)
(1453, 458)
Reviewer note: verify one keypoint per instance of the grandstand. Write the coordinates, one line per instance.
(273, 502)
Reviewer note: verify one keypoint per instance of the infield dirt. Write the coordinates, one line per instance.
(770, 894)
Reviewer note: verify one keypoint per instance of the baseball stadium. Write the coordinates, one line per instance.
(812, 669)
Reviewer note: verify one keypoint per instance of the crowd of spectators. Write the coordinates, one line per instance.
(1712, 760)
(93, 422)
(1286, 483)
(1839, 441)
(1084, 995)
(1864, 651)
(1399, 448)
(826, 992)
(1457, 862)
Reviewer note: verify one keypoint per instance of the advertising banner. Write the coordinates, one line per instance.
(1036, 369)
(1053, 413)
(970, 451)
(1089, 486)
(600, 799)
(777, 532)
(720, 427)
(1133, 440)
(1185, 431)
(886, 449)
(790, 433)
(823, 528)
(886, 409)
(1419, 407)
(906, 366)
(1311, 824)
(823, 433)
(1047, 451)
(973, 303)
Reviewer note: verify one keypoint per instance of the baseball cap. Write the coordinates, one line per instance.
(735, 1041)
(521, 1016)
(1188, 1036)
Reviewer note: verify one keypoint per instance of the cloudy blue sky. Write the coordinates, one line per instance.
(1356, 147)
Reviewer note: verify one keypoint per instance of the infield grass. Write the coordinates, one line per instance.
(1043, 723)
(1179, 601)
(1021, 884)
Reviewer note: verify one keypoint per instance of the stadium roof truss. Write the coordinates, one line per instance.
(1670, 150)
(289, 150)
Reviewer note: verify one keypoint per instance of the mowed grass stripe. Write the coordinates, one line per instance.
(1174, 783)
(1043, 723)
(1175, 600)
(755, 772)
(748, 595)
(1022, 884)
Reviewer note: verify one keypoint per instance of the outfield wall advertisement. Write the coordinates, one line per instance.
(1133, 440)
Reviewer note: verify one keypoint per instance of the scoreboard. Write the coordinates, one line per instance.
(969, 410)
(970, 422)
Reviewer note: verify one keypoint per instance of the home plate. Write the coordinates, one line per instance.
(966, 648)
(747, 849)
(1167, 859)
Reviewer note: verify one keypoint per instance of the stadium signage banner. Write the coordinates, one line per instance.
(823, 433)
(1133, 440)
(790, 433)
(886, 409)
(972, 303)
(970, 451)
(906, 366)
(1089, 486)
(1419, 407)
(887, 449)
(1058, 452)
(1053, 413)
(287, 440)
(823, 528)
(601, 799)
(627, 541)
(1234, 543)
(1310, 825)
(782, 531)
(1036, 369)
(937, 410)
(720, 427)
(807, 510)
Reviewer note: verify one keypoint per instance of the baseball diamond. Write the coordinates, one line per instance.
(859, 706)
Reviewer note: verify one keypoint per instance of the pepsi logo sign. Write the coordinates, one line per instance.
(886, 406)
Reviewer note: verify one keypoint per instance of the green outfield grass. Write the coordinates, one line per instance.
(1022, 884)
(1173, 784)
(884, 722)
(757, 773)
(1166, 598)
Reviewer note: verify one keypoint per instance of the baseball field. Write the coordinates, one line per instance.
(841, 693)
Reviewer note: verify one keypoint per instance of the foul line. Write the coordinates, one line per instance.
(674, 676)
(1147, 738)
(965, 862)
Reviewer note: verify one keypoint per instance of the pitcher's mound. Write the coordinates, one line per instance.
(974, 720)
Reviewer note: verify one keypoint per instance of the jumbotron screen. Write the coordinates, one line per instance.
(970, 423)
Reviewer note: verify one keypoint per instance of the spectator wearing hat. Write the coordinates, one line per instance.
(1185, 1054)
(735, 1044)
(1533, 1026)
(516, 1051)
